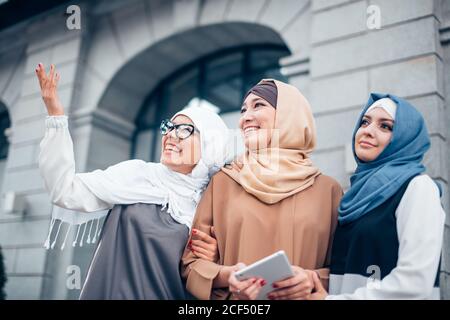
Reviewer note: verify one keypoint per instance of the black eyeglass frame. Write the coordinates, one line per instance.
(166, 123)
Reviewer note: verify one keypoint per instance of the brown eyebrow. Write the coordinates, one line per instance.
(256, 99)
(382, 119)
(181, 122)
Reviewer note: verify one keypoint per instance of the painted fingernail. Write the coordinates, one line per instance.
(194, 231)
(270, 296)
(263, 282)
(254, 280)
(274, 285)
(190, 242)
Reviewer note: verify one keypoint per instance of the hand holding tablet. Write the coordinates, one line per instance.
(273, 268)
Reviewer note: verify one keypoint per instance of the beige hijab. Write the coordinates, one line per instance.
(284, 167)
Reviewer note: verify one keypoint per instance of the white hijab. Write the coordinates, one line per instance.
(137, 181)
(386, 104)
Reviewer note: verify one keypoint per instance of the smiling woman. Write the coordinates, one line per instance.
(151, 204)
(258, 115)
(181, 149)
(273, 192)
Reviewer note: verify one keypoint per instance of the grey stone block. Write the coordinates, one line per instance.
(445, 201)
(68, 72)
(81, 137)
(213, 11)
(11, 93)
(38, 204)
(21, 156)
(6, 69)
(92, 87)
(32, 108)
(279, 16)
(24, 287)
(30, 86)
(56, 31)
(342, 21)
(29, 131)
(24, 232)
(244, 10)
(334, 93)
(67, 51)
(122, 102)
(445, 286)
(23, 180)
(40, 56)
(161, 18)
(107, 149)
(185, 14)
(29, 107)
(9, 259)
(404, 41)
(9, 41)
(105, 55)
(331, 163)
(133, 29)
(143, 145)
(30, 260)
(408, 78)
(394, 11)
(433, 110)
(297, 35)
(302, 83)
(335, 130)
(435, 159)
(445, 263)
(327, 4)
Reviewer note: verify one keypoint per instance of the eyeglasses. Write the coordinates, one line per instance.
(182, 130)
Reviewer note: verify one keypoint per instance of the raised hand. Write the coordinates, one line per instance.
(49, 86)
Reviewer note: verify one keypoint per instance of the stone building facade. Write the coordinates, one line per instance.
(134, 62)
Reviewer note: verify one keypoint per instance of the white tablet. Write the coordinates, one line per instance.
(273, 268)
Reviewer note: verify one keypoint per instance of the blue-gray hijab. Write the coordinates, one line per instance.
(376, 181)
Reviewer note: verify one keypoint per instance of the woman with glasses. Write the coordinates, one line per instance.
(151, 205)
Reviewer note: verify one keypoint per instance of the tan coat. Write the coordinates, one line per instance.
(248, 229)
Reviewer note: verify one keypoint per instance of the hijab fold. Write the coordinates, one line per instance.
(376, 181)
(283, 168)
